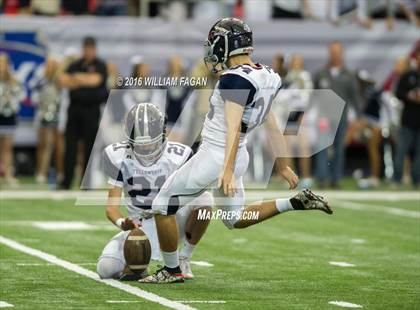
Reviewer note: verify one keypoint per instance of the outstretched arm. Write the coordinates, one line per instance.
(233, 112)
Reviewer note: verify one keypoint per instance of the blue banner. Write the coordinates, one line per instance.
(27, 54)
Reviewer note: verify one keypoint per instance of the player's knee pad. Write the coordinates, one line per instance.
(109, 268)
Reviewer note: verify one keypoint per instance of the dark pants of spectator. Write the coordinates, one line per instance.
(408, 141)
(323, 164)
(82, 125)
(113, 10)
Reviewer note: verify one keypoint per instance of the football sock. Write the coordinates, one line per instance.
(187, 250)
(296, 204)
(170, 259)
(283, 205)
(173, 270)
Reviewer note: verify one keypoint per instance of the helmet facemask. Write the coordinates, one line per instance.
(215, 51)
(148, 151)
(147, 146)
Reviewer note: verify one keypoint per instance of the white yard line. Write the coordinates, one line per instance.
(62, 225)
(183, 301)
(341, 264)
(240, 240)
(201, 263)
(92, 275)
(122, 301)
(70, 225)
(358, 241)
(345, 195)
(50, 264)
(384, 209)
(202, 301)
(101, 195)
(344, 304)
(4, 304)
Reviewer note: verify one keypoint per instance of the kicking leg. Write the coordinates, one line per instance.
(304, 200)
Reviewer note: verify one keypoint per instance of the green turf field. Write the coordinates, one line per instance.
(280, 264)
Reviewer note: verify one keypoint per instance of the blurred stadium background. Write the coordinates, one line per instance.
(165, 38)
(290, 259)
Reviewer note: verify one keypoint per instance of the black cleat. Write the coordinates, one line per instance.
(162, 276)
(306, 200)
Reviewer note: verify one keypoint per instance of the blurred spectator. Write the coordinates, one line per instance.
(288, 8)
(133, 8)
(48, 8)
(206, 10)
(368, 128)
(279, 65)
(114, 111)
(196, 107)
(112, 75)
(141, 70)
(299, 85)
(75, 7)
(386, 8)
(71, 54)
(253, 11)
(140, 93)
(175, 97)
(11, 93)
(111, 7)
(86, 78)
(15, 6)
(297, 9)
(47, 95)
(175, 11)
(363, 9)
(401, 65)
(343, 82)
(408, 91)
(323, 10)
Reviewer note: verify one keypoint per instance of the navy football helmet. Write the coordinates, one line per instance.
(227, 37)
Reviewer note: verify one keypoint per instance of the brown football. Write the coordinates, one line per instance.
(137, 251)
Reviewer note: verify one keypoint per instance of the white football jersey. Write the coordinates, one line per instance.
(141, 183)
(252, 87)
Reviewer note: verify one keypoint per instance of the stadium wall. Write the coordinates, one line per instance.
(119, 38)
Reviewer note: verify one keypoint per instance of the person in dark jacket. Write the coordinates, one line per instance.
(337, 77)
(86, 79)
(408, 91)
